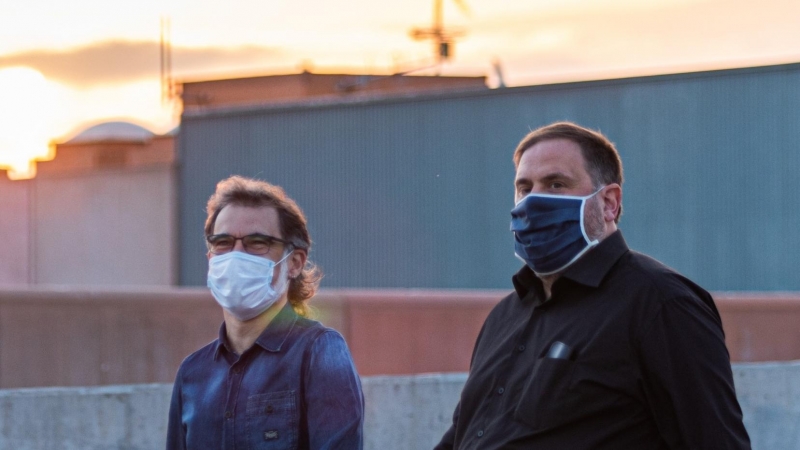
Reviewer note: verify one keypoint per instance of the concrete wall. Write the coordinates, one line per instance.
(84, 337)
(15, 229)
(115, 417)
(402, 413)
(106, 228)
(770, 398)
(409, 412)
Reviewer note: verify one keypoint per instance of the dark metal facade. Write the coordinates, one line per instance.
(416, 191)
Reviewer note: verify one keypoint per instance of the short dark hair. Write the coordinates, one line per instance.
(242, 191)
(599, 154)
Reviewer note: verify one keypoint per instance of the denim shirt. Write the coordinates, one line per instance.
(295, 388)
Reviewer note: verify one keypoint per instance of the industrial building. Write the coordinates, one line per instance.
(101, 213)
(407, 181)
(413, 190)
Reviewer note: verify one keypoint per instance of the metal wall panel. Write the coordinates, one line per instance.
(416, 192)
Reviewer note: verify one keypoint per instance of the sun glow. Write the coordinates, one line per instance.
(26, 111)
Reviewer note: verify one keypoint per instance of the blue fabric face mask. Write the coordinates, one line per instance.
(549, 233)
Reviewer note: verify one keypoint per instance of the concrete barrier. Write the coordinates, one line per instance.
(410, 412)
(402, 412)
(97, 418)
(769, 394)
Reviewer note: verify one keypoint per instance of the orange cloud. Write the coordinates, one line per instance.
(117, 62)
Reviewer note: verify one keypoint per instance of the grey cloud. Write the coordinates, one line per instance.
(114, 62)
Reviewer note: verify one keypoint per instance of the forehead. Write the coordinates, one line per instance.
(243, 220)
(553, 156)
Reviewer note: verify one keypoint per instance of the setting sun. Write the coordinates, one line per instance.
(26, 111)
(90, 61)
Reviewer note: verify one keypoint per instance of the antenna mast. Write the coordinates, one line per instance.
(443, 39)
(168, 90)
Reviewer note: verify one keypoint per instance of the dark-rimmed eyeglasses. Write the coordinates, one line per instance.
(254, 244)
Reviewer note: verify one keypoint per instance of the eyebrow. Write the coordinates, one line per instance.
(557, 176)
(554, 176)
(521, 181)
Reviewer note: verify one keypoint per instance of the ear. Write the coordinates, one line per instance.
(612, 201)
(297, 261)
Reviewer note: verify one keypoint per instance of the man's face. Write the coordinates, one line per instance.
(557, 167)
(554, 166)
(239, 221)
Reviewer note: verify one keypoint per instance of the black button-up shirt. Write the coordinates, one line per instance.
(626, 354)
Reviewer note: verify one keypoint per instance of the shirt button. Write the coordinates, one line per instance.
(521, 348)
(228, 414)
(237, 369)
(500, 391)
(480, 433)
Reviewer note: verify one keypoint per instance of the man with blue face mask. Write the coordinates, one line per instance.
(274, 378)
(598, 346)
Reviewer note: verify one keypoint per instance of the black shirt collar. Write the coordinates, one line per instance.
(272, 338)
(597, 262)
(526, 281)
(588, 270)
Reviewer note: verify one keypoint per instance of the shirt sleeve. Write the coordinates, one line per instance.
(176, 437)
(687, 377)
(333, 397)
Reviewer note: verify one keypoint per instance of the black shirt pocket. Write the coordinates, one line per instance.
(547, 400)
(272, 421)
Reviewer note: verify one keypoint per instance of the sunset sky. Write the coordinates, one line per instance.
(89, 61)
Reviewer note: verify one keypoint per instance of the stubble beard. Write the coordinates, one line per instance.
(593, 219)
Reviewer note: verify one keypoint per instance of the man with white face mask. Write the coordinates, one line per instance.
(273, 378)
(598, 346)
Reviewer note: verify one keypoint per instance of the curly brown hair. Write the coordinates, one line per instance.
(242, 191)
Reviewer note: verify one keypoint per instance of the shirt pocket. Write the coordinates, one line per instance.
(547, 399)
(272, 422)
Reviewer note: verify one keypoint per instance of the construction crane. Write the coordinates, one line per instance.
(443, 39)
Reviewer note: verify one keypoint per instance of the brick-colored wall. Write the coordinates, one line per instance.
(80, 337)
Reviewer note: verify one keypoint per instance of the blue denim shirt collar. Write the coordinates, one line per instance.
(271, 339)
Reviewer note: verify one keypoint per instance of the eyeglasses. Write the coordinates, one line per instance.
(254, 244)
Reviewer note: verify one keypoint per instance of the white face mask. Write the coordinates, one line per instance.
(242, 283)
